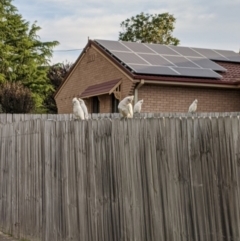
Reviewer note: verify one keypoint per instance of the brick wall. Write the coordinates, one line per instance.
(92, 69)
(177, 99)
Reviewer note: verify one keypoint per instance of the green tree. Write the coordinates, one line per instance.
(15, 98)
(148, 28)
(56, 75)
(23, 57)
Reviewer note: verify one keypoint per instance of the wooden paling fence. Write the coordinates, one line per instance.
(168, 178)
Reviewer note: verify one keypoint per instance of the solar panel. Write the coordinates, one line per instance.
(210, 54)
(174, 71)
(127, 57)
(158, 70)
(185, 51)
(160, 59)
(232, 56)
(155, 59)
(112, 45)
(207, 64)
(137, 47)
(181, 61)
(203, 73)
(161, 49)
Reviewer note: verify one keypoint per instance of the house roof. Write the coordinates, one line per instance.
(101, 89)
(225, 76)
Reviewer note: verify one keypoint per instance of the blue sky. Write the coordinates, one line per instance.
(205, 24)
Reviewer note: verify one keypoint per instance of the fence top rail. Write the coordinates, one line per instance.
(98, 117)
(9, 118)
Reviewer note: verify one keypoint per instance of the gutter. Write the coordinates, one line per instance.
(190, 81)
(232, 85)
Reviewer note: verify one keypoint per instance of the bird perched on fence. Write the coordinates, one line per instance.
(125, 107)
(193, 107)
(84, 108)
(77, 109)
(138, 106)
(130, 110)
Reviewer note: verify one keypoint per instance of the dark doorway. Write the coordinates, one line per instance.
(115, 103)
(95, 104)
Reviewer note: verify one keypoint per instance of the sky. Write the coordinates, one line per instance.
(210, 24)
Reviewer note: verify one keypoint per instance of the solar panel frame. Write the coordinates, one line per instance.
(210, 54)
(207, 64)
(181, 61)
(201, 73)
(174, 71)
(161, 49)
(156, 59)
(185, 51)
(112, 45)
(129, 57)
(157, 70)
(231, 55)
(138, 47)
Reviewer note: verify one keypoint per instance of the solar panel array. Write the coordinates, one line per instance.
(157, 59)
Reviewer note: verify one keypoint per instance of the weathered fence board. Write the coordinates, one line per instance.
(159, 177)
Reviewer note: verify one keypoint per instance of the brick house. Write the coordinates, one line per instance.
(102, 76)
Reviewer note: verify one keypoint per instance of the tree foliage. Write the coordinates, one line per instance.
(23, 57)
(148, 28)
(15, 98)
(56, 75)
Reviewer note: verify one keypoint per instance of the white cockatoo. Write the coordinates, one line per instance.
(84, 108)
(130, 110)
(138, 106)
(77, 109)
(193, 107)
(125, 107)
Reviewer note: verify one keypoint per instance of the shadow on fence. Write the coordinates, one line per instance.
(173, 177)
